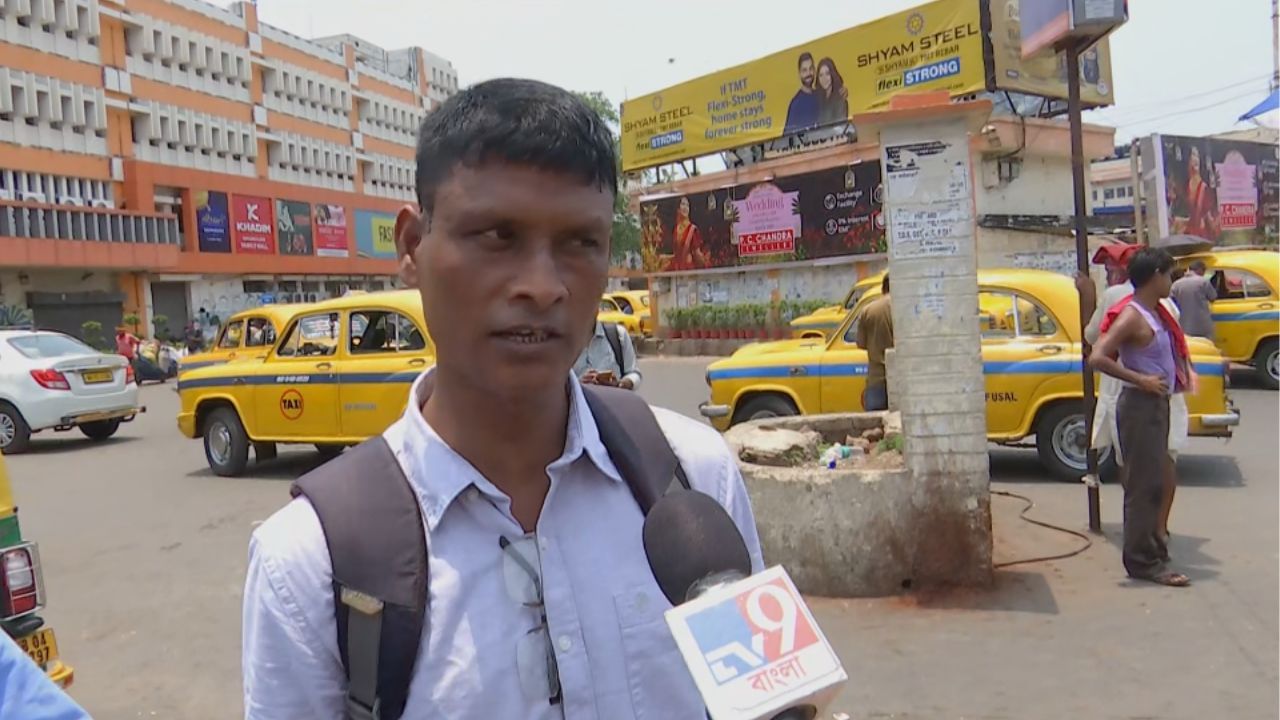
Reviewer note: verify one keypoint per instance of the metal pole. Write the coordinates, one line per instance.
(1082, 264)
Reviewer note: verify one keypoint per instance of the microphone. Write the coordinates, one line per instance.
(749, 641)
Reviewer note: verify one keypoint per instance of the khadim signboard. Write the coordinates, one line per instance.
(937, 46)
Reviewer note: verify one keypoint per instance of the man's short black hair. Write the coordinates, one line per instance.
(1199, 267)
(884, 284)
(1146, 263)
(804, 56)
(521, 122)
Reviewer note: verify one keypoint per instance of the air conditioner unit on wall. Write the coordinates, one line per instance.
(70, 200)
(6, 194)
(100, 203)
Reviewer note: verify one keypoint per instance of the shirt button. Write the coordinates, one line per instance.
(542, 543)
(565, 643)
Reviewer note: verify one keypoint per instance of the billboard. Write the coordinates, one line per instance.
(375, 234)
(293, 227)
(213, 223)
(331, 231)
(1225, 191)
(826, 213)
(252, 221)
(937, 46)
(1044, 75)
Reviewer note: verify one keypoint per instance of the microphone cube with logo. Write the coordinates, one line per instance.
(754, 649)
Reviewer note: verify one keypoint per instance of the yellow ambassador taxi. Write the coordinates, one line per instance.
(339, 373)
(820, 323)
(1246, 318)
(247, 335)
(630, 309)
(1032, 367)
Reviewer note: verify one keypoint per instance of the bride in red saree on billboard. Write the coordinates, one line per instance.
(686, 240)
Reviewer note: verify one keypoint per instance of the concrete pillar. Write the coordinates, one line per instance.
(937, 361)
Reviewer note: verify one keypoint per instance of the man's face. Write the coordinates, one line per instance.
(806, 73)
(1164, 282)
(511, 266)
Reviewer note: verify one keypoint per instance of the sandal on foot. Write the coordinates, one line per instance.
(1170, 579)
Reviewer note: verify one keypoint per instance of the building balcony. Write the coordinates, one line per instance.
(38, 235)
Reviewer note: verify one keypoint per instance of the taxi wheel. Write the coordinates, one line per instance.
(226, 445)
(329, 451)
(1267, 364)
(100, 430)
(762, 407)
(1062, 442)
(15, 434)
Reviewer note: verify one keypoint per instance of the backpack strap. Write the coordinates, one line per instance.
(615, 342)
(636, 443)
(373, 527)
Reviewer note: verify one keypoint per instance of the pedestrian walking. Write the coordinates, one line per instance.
(194, 337)
(507, 494)
(1194, 294)
(875, 335)
(1143, 346)
(126, 343)
(609, 358)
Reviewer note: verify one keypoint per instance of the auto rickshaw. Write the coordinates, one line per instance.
(22, 591)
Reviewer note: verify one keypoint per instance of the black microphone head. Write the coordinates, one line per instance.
(688, 536)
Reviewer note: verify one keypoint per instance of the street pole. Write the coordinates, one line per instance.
(1082, 265)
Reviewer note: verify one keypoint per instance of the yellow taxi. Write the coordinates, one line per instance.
(1246, 317)
(820, 323)
(1032, 367)
(339, 373)
(22, 591)
(611, 312)
(247, 335)
(635, 302)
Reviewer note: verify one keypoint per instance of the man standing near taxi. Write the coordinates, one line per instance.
(609, 359)
(1194, 294)
(508, 245)
(875, 335)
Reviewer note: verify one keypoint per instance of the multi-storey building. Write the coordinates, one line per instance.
(158, 157)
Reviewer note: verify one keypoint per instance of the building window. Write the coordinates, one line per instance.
(1109, 194)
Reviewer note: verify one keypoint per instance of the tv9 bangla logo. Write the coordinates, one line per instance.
(751, 630)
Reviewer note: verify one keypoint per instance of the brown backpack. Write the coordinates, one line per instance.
(374, 530)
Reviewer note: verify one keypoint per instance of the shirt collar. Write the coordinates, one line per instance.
(439, 474)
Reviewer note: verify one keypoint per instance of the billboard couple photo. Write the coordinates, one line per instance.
(823, 98)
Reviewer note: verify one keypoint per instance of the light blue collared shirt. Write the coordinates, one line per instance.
(615, 654)
(27, 693)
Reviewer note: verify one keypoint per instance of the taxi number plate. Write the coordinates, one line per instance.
(95, 377)
(41, 646)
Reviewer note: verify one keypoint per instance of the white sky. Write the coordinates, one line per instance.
(1187, 67)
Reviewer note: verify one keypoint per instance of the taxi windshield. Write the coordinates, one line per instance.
(312, 336)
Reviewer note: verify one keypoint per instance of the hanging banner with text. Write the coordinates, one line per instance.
(937, 46)
(331, 231)
(252, 221)
(1044, 75)
(213, 223)
(293, 227)
(827, 213)
(375, 234)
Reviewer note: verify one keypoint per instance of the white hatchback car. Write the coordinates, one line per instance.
(53, 381)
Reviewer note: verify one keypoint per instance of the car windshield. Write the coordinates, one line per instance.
(49, 346)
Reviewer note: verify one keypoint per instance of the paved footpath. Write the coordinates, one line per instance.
(144, 555)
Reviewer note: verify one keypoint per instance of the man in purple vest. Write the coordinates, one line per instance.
(1143, 347)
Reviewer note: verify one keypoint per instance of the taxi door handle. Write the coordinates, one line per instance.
(1050, 349)
(324, 366)
(1266, 306)
(417, 362)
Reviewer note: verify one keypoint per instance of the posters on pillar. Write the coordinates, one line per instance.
(826, 213)
(375, 234)
(331, 231)
(1225, 191)
(930, 207)
(293, 227)
(252, 223)
(213, 227)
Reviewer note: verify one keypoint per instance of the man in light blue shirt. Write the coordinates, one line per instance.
(604, 364)
(541, 600)
(27, 693)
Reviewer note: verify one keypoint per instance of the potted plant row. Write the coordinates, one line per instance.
(741, 321)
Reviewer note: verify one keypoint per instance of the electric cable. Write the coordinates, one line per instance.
(1088, 542)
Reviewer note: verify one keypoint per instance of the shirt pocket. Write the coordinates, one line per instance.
(660, 685)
